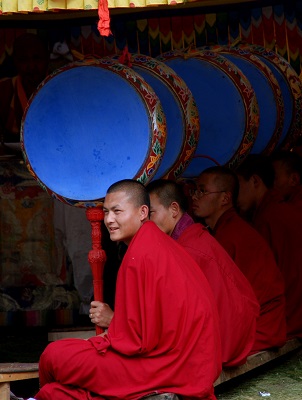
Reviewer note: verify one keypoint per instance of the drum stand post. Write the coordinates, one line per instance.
(96, 255)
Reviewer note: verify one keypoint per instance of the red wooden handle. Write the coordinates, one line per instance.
(96, 255)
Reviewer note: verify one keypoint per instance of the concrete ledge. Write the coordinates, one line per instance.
(258, 359)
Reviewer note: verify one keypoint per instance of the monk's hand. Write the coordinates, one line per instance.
(100, 314)
(104, 333)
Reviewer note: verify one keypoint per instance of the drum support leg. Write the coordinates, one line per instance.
(96, 255)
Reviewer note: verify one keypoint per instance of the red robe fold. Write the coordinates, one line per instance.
(280, 224)
(164, 336)
(236, 302)
(255, 259)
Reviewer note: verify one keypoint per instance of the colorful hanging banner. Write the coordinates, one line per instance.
(200, 30)
(277, 27)
(280, 30)
(268, 27)
(292, 35)
(246, 26)
(188, 30)
(142, 37)
(222, 28)
(257, 27)
(234, 32)
(165, 34)
(177, 33)
(211, 29)
(154, 37)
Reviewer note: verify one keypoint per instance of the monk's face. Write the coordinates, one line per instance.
(160, 215)
(206, 200)
(122, 216)
(284, 180)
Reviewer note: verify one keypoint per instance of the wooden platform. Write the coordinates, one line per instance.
(10, 372)
(258, 359)
(254, 361)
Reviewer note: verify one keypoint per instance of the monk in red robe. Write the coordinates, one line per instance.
(280, 224)
(164, 335)
(288, 176)
(236, 302)
(214, 200)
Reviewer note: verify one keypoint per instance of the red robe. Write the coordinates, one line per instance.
(164, 336)
(254, 257)
(236, 302)
(296, 197)
(280, 224)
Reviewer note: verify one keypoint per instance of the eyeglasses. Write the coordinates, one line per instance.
(201, 192)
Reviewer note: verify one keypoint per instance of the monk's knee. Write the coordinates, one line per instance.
(48, 354)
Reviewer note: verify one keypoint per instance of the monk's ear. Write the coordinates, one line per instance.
(294, 179)
(175, 209)
(226, 199)
(144, 212)
(256, 180)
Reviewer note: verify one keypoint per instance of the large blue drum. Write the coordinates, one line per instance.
(268, 93)
(180, 110)
(227, 106)
(291, 88)
(89, 125)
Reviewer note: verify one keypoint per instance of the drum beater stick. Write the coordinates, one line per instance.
(96, 256)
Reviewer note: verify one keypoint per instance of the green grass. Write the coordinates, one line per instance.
(282, 379)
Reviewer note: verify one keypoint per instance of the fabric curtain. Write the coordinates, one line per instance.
(19, 6)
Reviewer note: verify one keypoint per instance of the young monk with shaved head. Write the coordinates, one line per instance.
(164, 334)
(214, 200)
(237, 305)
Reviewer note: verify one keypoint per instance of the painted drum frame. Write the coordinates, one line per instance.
(244, 88)
(295, 85)
(185, 101)
(275, 87)
(157, 126)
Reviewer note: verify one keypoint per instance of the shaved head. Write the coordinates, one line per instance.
(260, 165)
(224, 179)
(168, 191)
(135, 190)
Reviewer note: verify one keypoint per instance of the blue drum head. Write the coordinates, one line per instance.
(90, 125)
